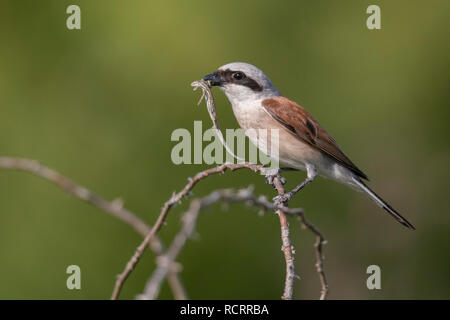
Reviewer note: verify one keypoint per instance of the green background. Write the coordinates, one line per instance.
(99, 105)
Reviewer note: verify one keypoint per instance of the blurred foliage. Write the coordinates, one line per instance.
(99, 105)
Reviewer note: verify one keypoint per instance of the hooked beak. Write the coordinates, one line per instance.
(214, 79)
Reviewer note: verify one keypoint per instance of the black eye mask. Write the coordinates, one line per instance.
(227, 77)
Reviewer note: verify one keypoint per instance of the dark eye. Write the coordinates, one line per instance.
(238, 75)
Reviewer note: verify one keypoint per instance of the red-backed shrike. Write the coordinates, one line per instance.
(303, 143)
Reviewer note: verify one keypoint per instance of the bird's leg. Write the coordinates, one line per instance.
(311, 174)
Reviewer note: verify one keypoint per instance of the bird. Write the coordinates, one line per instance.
(303, 143)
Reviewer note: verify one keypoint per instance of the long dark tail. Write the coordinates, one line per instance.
(383, 204)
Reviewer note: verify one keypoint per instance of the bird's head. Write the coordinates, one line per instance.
(241, 82)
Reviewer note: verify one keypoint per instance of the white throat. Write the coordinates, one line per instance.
(238, 94)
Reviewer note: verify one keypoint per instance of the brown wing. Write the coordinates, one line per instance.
(294, 118)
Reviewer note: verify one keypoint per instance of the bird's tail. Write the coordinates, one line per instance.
(383, 204)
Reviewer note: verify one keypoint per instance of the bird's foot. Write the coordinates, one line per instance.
(271, 173)
(283, 199)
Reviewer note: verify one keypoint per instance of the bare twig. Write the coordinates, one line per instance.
(287, 248)
(165, 210)
(114, 208)
(320, 241)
